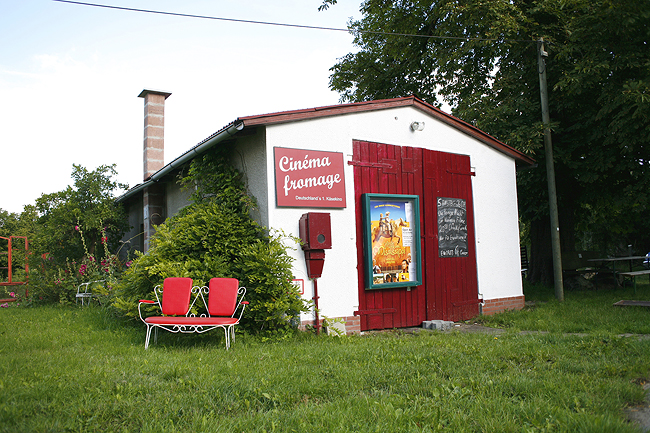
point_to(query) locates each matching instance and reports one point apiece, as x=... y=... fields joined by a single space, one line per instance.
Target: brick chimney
x=154 y=130
x=153 y=200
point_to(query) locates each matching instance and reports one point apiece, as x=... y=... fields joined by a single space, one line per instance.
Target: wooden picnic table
x=613 y=260
x=607 y=261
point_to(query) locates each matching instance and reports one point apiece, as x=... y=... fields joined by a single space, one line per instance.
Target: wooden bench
x=633 y=275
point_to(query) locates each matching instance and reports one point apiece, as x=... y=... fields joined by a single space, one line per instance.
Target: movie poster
x=392 y=232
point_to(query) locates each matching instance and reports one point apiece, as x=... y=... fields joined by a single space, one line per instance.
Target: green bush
x=74 y=237
x=216 y=237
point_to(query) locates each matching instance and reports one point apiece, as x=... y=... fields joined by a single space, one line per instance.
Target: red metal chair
x=176 y=294
x=229 y=298
x=225 y=306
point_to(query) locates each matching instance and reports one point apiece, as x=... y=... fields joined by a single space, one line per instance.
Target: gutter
x=200 y=148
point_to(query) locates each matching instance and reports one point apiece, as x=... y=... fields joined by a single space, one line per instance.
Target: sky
x=70 y=76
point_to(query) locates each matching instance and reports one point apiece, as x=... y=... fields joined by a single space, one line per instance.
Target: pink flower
x=5 y=305
x=104 y=239
x=82 y=269
x=128 y=264
x=12 y=294
x=76 y=228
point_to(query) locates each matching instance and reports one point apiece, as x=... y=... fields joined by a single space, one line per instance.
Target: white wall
x=249 y=158
x=176 y=197
x=494 y=189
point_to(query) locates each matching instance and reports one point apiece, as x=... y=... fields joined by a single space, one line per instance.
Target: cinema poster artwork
x=392 y=226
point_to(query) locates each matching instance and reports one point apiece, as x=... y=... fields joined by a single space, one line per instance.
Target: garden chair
x=176 y=294
x=85 y=292
x=225 y=305
x=224 y=308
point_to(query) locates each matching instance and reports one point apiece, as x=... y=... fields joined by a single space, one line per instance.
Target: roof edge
x=382 y=104
x=326 y=111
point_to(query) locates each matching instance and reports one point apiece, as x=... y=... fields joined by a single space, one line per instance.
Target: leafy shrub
x=50 y=282
x=216 y=237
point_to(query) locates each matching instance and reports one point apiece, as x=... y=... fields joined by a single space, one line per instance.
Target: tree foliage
x=481 y=58
x=216 y=237
x=89 y=205
x=74 y=236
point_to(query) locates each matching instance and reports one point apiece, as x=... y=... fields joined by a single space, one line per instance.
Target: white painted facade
x=494 y=195
x=334 y=129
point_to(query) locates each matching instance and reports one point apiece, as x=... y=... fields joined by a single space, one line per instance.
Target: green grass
x=68 y=369
x=581 y=312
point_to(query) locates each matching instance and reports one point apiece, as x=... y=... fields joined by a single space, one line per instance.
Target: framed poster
x=391 y=226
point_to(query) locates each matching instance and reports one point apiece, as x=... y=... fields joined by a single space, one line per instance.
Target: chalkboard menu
x=452 y=227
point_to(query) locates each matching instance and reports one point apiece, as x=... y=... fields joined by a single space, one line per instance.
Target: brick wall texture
x=493 y=306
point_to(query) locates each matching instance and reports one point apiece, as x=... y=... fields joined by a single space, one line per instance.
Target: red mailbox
x=316 y=231
x=316 y=235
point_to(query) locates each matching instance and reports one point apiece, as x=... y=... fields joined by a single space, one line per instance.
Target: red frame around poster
x=309 y=178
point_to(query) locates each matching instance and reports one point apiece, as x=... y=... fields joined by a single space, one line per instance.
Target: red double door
x=449 y=289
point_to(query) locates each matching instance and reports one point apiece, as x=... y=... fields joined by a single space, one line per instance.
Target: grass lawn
x=78 y=370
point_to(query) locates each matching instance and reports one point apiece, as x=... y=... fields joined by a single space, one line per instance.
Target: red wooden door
x=447 y=292
x=452 y=285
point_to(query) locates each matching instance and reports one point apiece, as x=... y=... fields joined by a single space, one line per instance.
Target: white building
x=448 y=247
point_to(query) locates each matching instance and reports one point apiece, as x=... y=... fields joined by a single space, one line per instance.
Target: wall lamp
x=417 y=126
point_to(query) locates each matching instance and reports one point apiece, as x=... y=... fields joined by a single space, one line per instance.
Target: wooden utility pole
x=550 y=174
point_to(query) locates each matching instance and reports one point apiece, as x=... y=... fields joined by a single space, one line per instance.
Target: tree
x=480 y=57
x=88 y=208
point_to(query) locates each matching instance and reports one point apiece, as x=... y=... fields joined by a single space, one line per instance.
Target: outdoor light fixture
x=417 y=126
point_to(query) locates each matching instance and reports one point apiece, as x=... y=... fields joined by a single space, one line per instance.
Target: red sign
x=309 y=178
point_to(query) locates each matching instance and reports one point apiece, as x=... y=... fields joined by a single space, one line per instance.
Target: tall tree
x=83 y=213
x=480 y=57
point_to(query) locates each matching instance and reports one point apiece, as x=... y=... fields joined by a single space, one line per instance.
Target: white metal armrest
x=156 y=290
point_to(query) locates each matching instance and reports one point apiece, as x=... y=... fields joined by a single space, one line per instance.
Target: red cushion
x=182 y=320
x=222 y=299
x=176 y=296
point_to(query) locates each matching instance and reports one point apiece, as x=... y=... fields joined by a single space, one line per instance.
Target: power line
x=268 y=23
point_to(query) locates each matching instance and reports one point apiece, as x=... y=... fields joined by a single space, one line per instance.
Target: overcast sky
x=70 y=76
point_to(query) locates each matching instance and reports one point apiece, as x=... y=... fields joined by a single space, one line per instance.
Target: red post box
x=316 y=231
x=316 y=234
